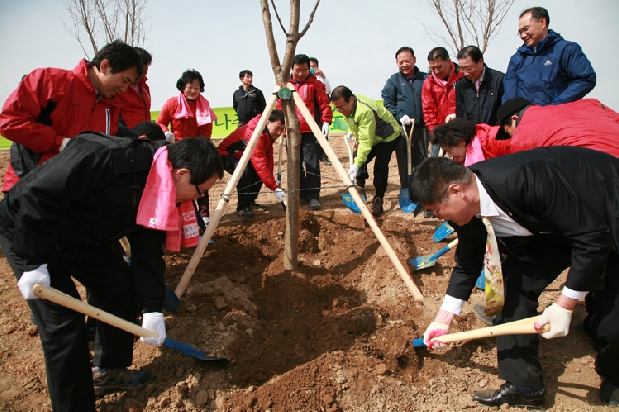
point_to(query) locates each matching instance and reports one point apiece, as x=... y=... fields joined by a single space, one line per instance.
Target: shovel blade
x=190 y=350
x=423 y=262
x=349 y=202
x=171 y=302
x=418 y=343
x=406 y=204
x=442 y=232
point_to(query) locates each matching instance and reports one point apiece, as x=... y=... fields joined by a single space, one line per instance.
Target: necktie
x=495 y=293
x=477 y=83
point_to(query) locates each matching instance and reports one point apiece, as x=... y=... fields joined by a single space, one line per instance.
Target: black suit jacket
x=562 y=193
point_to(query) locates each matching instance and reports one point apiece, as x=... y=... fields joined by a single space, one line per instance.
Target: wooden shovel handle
x=62 y=299
x=519 y=327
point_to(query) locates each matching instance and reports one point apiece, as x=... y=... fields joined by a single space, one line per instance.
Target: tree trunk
x=293 y=167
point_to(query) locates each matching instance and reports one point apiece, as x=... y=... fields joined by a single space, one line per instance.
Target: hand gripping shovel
x=427 y=261
x=77 y=305
x=346 y=197
x=519 y=327
x=442 y=232
x=406 y=204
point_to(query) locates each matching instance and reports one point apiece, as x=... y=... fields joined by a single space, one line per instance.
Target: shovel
x=406 y=204
x=427 y=261
x=77 y=305
x=519 y=327
x=442 y=232
x=346 y=197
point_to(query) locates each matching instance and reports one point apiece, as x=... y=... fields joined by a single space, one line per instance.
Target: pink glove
x=435 y=330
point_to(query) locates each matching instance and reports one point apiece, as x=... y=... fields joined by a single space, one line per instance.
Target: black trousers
x=103 y=270
x=311 y=152
x=530 y=264
x=419 y=152
x=249 y=183
x=382 y=152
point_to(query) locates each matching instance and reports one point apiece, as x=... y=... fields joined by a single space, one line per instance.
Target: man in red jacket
x=135 y=104
x=438 y=95
x=259 y=169
x=52 y=105
x=312 y=92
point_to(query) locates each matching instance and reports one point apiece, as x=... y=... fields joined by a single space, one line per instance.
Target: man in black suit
x=551 y=208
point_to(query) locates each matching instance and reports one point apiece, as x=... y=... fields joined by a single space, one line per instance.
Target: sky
x=354 y=40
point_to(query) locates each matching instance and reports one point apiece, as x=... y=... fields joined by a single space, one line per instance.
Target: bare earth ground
x=334 y=335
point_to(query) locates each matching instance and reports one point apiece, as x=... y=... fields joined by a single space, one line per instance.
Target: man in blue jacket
x=546 y=69
x=402 y=97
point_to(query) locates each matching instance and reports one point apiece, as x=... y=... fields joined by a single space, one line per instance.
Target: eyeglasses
x=526 y=29
x=467 y=69
x=341 y=107
x=200 y=194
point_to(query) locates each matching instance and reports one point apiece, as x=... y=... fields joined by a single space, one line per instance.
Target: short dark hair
x=244 y=72
x=301 y=59
x=457 y=130
x=432 y=178
x=438 y=52
x=315 y=60
x=405 y=49
x=277 y=115
x=472 y=51
x=537 y=13
x=189 y=76
x=147 y=58
x=341 y=91
x=149 y=129
x=199 y=156
x=121 y=57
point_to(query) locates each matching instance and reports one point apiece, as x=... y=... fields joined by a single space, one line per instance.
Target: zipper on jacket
x=107 y=121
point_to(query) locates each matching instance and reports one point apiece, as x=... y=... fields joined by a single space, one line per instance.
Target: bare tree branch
x=103 y=21
x=278 y=18
x=311 y=19
x=468 y=21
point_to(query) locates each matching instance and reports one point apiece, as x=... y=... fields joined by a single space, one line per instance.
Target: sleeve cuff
x=573 y=294
x=452 y=305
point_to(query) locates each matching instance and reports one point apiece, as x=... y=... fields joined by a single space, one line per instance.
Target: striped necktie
x=495 y=293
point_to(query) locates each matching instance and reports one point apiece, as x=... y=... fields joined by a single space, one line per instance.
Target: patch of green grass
x=4 y=143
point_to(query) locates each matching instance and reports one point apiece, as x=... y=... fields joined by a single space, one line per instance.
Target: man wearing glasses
x=546 y=69
x=479 y=92
x=377 y=132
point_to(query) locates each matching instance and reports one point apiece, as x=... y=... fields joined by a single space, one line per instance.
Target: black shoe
x=256 y=206
x=377 y=206
x=509 y=393
x=314 y=204
x=245 y=212
x=326 y=161
x=609 y=394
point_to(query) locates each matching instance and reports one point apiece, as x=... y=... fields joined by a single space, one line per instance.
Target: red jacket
x=134 y=104
x=313 y=94
x=261 y=157
x=583 y=123
x=187 y=127
x=438 y=99
x=64 y=99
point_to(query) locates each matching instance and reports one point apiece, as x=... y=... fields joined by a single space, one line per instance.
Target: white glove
x=277 y=182
x=31 y=278
x=325 y=129
x=279 y=194
x=154 y=321
x=350 y=138
x=450 y=117
x=65 y=140
x=405 y=120
x=559 y=319
x=352 y=172
x=169 y=137
x=435 y=330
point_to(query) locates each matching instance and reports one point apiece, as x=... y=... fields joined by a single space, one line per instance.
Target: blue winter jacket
x=558 y=72
x=400 y=97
